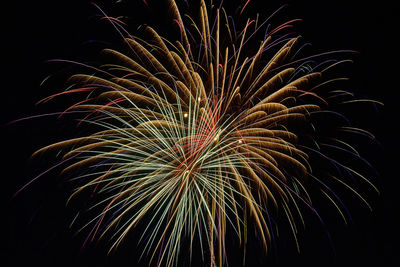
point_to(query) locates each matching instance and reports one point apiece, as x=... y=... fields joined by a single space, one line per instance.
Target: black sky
x=36 y=229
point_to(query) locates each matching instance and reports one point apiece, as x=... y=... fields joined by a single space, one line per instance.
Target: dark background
x=36 y=231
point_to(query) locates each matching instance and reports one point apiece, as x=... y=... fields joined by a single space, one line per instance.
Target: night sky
x=36 y=230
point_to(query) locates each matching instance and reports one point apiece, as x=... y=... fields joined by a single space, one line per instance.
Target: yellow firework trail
x=198 y=134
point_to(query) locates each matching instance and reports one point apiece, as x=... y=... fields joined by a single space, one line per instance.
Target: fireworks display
x=200 y=137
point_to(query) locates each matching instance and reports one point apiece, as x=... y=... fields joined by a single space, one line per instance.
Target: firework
x=201 y=136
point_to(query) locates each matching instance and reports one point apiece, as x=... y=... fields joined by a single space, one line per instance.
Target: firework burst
x=201 y=136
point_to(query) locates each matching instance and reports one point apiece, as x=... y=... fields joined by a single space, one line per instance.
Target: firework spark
x=202 y=135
